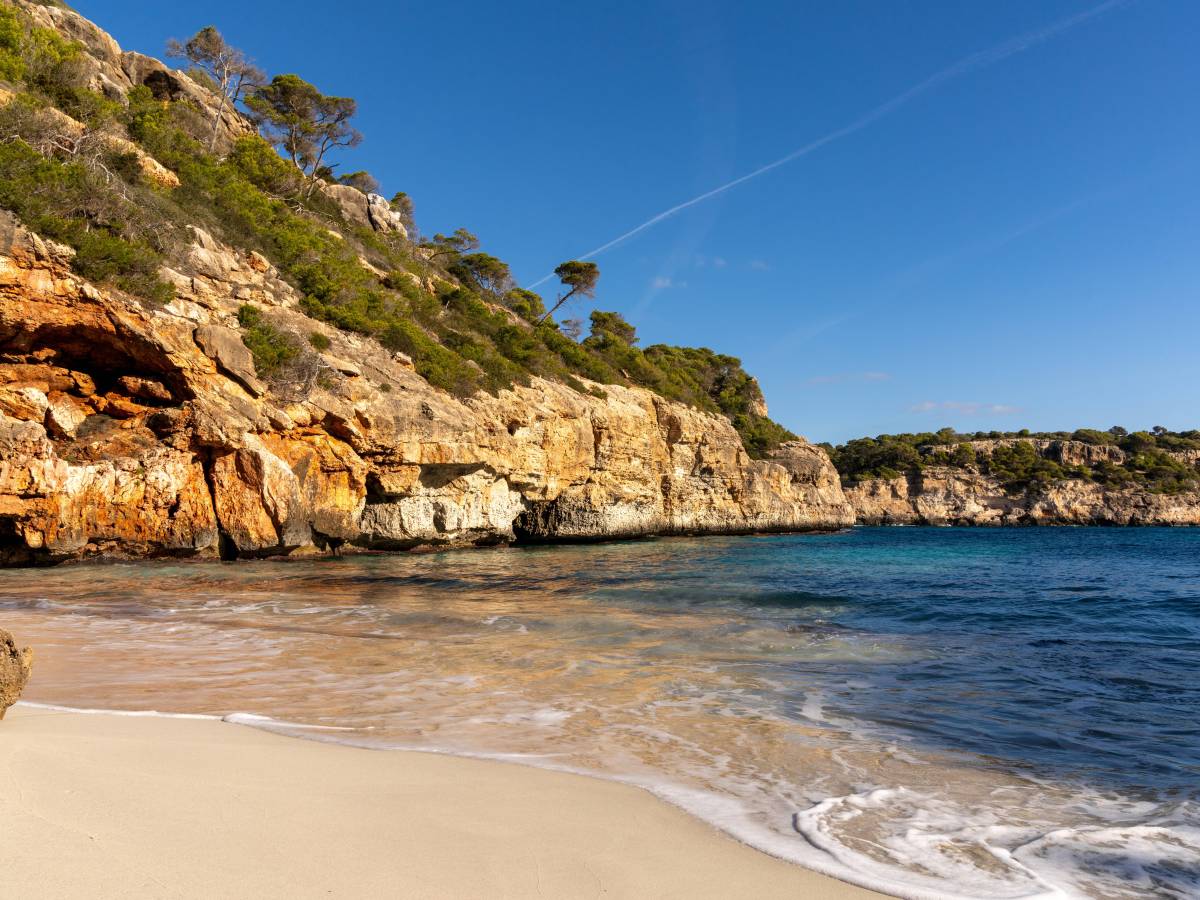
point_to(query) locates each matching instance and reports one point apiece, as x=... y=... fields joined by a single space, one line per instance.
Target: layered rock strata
x=949 y=496
x=127 y=431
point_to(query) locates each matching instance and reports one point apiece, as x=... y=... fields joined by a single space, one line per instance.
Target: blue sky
x=1015 y=245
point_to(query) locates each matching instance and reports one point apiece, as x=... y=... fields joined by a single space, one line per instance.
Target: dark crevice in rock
x=15 y=552
x=376 y=493
x=227 y=549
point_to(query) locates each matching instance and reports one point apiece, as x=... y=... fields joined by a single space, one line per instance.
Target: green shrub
x=12 y=65
x=271 y=348
x=433 y=362
x=1148 y=464
x=526 y=304
x=319 y=341
x=72 y=204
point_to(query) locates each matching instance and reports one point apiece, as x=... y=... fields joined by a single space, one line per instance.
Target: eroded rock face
x=15 y=667
x=1069 y=453
x=945 y=496
x=132 y=432
x=383 y=217
x=365 y=210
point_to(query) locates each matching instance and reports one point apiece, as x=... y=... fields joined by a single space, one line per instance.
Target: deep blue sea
x=929 y=711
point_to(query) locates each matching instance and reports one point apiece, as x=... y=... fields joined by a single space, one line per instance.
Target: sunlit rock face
x=15 y=666
x=130 y=431
x=946 y=496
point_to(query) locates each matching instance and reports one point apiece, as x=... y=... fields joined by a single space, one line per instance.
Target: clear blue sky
x=1016 y=245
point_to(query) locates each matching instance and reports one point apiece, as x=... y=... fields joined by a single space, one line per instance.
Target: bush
x=1020 y=468
x=101 y=220
x=319 y=341
x=433 y=362
x=12 y=32
x=271 y=348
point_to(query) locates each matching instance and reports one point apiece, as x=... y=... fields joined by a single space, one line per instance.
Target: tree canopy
x=484 y=272
x=1152 y=460
x=229 y=69
x=441 y=246
x=303 y=122
x=361 y=180
x=579 y=278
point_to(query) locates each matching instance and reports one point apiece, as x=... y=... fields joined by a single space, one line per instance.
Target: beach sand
x=103 y=806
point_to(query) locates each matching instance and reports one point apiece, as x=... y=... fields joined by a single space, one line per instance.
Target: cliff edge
x=130 y=431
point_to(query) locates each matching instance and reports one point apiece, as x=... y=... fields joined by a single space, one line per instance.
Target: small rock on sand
x=15 y=666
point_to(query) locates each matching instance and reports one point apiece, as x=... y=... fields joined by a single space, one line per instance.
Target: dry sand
x=103 y=806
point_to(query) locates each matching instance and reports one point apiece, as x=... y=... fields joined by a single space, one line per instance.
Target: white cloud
x=663 y=282
x=719 y=262
x=844 y=377
x=965 y=409
x=759 y=265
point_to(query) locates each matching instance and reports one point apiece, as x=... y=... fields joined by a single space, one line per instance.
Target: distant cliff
x=1030 y=481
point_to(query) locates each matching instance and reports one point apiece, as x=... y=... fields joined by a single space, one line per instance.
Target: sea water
x=993 y=713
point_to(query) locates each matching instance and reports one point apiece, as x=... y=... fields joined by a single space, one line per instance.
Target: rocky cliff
x=941 y=495
x=132 y=428
x=131 y=431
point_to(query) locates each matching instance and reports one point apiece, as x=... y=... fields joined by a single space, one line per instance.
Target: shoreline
x=348 y=551
x=189 y=558
x=105 y=804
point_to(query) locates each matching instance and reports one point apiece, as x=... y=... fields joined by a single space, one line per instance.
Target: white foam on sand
x=1027 y=866
x=253 y=720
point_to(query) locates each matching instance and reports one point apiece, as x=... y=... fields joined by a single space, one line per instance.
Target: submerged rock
x=15 y=666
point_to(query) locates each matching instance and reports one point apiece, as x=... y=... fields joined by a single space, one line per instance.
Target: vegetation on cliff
x=1159 y=460
x=86 y=169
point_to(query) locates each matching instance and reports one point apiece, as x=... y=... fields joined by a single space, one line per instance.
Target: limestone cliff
x=941 y=495
x=131 y=431
x=130 y=428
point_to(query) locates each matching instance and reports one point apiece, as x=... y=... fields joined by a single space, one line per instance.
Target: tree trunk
x=212 y=138
x=561 y=300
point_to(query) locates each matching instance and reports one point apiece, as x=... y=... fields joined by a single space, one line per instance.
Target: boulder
x=383 y=217
x=28 y=404
x=64 y=415
x=224 y=347
x=15 y=666
x=258 y=500
x=350 y=201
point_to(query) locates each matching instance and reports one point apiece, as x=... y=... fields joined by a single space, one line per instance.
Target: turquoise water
x=934 y=712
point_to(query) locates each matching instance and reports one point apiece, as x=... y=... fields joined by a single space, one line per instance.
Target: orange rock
x=15 y=668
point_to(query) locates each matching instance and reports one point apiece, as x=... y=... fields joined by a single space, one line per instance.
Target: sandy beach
x=109 y=806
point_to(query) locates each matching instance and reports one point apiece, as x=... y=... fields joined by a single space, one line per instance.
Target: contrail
x=975 y=61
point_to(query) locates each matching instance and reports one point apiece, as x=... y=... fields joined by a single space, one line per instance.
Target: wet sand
x=111 y=806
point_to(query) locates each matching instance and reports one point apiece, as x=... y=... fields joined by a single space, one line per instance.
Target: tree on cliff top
x=462 y=241
x=611 y=326
x=484 y=272
x=230 y=70
x=303 y=122
x=403 y=204
x=361 y=180
x=580 y=277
